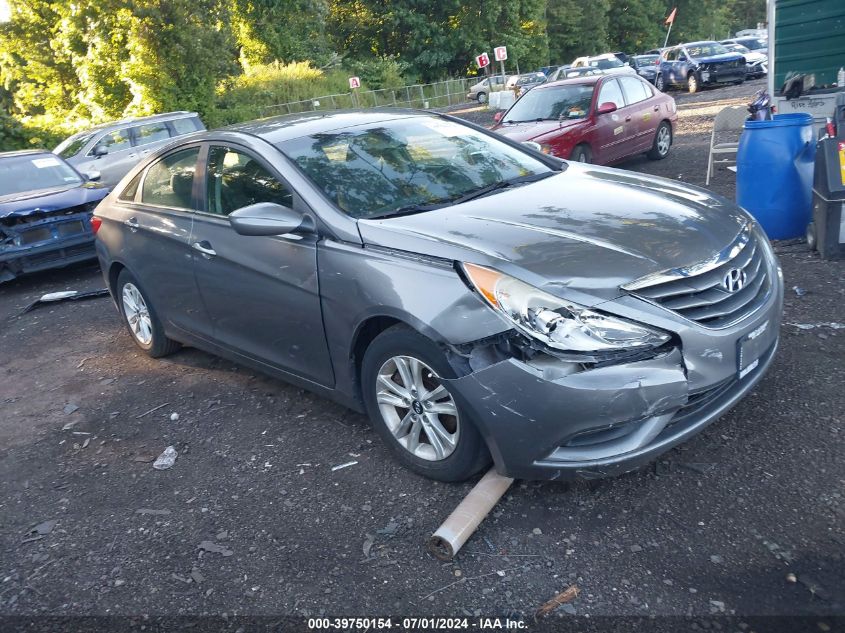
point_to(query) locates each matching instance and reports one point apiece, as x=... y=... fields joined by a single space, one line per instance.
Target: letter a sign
x=483 y=60
x=354 y=82
x=501 y=53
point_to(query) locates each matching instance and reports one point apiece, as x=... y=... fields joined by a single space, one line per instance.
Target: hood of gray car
x=581 y=233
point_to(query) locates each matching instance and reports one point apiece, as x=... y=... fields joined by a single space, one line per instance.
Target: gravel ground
x=745 y=519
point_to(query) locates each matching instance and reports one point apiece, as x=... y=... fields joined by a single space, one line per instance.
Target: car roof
x=697 y=43
x=290 y=126
x=152 y=118
x=587 y=80
x=24 y=152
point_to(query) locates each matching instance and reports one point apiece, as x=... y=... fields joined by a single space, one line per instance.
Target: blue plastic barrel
x=775 y=173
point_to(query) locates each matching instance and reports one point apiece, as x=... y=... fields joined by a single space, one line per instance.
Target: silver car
x=479 y=300
x=112 y=149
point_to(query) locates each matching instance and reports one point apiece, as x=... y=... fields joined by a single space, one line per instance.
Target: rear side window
x=185 y=126
x=128 y=193
x=170 y=181
x=113 y=142
x=150 y=133
x=635 y=90
x=72 y=146
x=611 y=93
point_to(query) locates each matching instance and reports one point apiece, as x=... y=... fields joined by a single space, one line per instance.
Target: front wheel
x=662 y=142
x=692 y=83
x=413 y=410
x=482 y=97
x=581 y=154
x=140 y=318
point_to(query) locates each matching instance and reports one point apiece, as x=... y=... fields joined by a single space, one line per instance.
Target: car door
x=262 y=293
x=642 y=111
x=611 y=128
x=156 y=211
x=669 y=67
x=113 y=156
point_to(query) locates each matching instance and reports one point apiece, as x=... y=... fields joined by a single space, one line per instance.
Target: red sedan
x=598 y=119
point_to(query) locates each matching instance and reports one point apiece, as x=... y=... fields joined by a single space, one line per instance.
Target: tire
x=659 y=83
x=140 y=317
x=482 y=97
x=692 y=83
x=581 y=154
x=461 y=453
x=662 y=142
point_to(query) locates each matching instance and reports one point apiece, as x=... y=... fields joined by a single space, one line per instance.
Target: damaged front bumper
x=593 y=423
x=52 y=242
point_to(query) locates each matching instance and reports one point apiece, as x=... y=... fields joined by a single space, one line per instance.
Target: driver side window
x=235 y=180
x=611 y=93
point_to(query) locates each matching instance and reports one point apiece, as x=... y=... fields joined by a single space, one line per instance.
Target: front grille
x=704 y=293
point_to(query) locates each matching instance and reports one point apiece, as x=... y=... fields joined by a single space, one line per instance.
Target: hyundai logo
x=735 y=280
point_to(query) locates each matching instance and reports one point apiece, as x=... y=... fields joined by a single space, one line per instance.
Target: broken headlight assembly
x=557 y=323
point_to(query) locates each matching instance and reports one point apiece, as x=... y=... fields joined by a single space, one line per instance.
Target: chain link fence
x=435 y=95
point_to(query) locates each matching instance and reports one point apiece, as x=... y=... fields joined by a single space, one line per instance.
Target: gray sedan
x=478 y=300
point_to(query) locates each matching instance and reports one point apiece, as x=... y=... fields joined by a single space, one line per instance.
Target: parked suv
x=112 y=149
x=699 y=64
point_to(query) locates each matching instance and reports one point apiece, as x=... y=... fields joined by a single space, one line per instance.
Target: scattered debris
x=174 y=416
x=209 y=546
x=151 y=511
x=810 y=326
x=368 y=545
x=45 y=527
x=166 y=459
x=70 y=425
x=536 y=531
x=390 y=529
x=567 y=595
x=636 y=548
x=70 y=408
x=65 y=295
x=197 y=576
x=346 y=465
x=465 y=519
x=161 y=406
x=799 y=291
x=716 y=559
x=790 y=577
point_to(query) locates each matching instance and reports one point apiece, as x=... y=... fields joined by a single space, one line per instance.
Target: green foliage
x=65 y=64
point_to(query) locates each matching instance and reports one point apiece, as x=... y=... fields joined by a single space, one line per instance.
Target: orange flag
x=671 y=18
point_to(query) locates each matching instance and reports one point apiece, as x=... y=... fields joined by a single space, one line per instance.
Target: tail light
x=95 y=224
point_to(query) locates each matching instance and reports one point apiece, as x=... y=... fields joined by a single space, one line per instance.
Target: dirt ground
x=746 y=519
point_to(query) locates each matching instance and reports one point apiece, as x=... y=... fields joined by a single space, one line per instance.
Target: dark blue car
x=45 y=213
x=698 y=64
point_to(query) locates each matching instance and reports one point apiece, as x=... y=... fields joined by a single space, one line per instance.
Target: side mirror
x=498 y=116
x=266 y=218
x=606 y=108
x=100 y=150
x=92 y=175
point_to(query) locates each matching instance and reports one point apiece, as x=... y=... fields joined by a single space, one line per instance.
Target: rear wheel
x=659 y=83
x=140 y=318
x=692 y=83
x=482 y=97
x=413 y=411
x=581 y=154
x=662 y=142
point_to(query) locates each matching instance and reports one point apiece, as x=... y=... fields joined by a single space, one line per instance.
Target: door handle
x=627 y=119
x=204 y=247
x=657 y=108
x=132 y=223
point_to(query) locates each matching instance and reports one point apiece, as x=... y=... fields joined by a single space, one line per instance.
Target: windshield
x=754 y=43
x=390 y=167
x=737 y=48
x=552 y=104
x=606 y=63
x=33 y=172
x=707 y=49
x=647 y=60
x=71 y=146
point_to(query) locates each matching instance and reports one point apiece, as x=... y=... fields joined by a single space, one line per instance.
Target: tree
x=576 y=29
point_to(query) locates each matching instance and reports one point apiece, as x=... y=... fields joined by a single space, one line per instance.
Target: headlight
x=558 y=323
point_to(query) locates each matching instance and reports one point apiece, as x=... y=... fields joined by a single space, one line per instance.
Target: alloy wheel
x=137 y=314
x=417 y=409
x=658 y=83
x=664 y=140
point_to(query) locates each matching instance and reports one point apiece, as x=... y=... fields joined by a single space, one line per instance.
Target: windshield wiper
x=502 y=184
x=411 y=209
